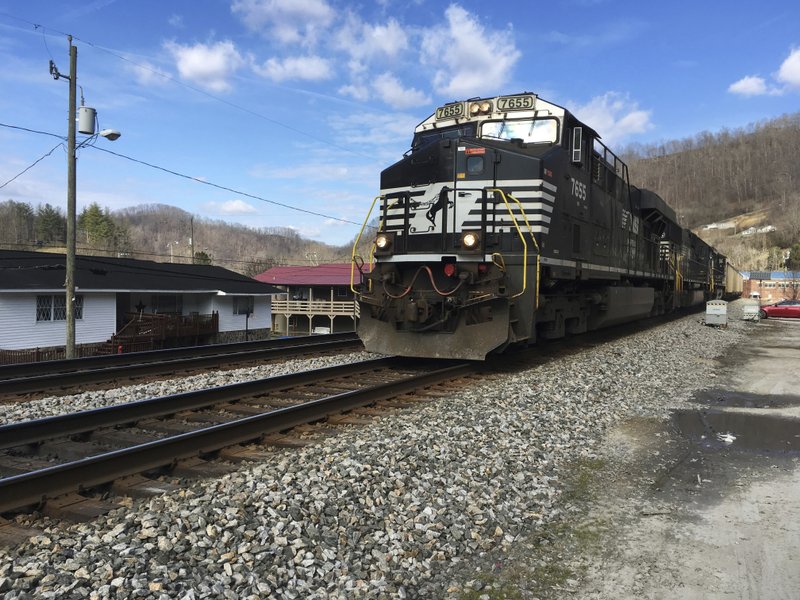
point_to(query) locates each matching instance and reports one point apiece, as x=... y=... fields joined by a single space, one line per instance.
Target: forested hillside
x=171 y=232
x=164 y=234
x=746 y=178
x=744 y=181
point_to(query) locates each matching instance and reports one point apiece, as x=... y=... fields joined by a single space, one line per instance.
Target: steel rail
x=33 y=488
x=39 y=430
x=23 y=385
x=71 y=365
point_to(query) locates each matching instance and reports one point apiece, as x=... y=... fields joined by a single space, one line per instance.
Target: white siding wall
x=260 y=319
x=99 y=321
x=20 y=330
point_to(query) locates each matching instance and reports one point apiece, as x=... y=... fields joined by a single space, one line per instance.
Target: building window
x=243 y=305
x=54 y=308
x=44 y=308
x=59 y=308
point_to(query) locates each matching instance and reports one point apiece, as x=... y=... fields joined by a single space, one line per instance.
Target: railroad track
x=59 y=457
x=31 y=380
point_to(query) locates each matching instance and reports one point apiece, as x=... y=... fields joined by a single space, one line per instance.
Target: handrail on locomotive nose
x=524 y=244
x=358 y=239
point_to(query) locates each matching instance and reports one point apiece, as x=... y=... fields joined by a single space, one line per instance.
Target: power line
x=225 y=188
x=61 y=137
x=29 y=167
x=44 y=39
x=195 y=179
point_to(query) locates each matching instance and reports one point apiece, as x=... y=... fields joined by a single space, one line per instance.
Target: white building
x=118 y=298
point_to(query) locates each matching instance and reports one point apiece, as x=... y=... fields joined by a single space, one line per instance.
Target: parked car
x=784 y=308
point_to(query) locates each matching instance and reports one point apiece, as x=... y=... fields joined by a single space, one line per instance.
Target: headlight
x=383 y=241
x=470 y=240
x=480 y=108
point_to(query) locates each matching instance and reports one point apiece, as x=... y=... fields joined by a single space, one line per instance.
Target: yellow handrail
x=355 y=245
x=711 y=274
x=524 y=244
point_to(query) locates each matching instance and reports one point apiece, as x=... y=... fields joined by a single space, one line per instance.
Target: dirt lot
x=708 y=505
x=702 y=505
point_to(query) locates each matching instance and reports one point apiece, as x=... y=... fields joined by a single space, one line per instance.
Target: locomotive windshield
x=424 y=138
x=531 y=131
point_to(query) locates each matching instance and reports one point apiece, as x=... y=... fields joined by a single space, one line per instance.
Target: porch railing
x=316 y=307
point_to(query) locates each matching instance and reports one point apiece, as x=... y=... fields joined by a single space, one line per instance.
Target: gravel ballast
x=399 y=508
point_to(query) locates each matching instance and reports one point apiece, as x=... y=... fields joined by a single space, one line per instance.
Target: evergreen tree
x=96 y=225
x=51 y=224
x=101 y=231
x=793 y=262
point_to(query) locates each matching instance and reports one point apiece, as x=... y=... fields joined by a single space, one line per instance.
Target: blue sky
x=304 y=102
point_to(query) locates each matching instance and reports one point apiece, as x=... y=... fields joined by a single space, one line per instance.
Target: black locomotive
x=508 y=221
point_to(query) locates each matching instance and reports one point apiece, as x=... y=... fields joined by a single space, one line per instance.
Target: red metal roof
x=331 y=274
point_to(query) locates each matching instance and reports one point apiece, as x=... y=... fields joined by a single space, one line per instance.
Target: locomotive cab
x=457 y=248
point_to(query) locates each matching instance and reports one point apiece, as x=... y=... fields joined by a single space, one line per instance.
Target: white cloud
x=469 y=59
x=357 y=92
x=236 y=207
x=288 y=21
x=309 y=68
x=750 y=85
x=365 y=41
x=614 y=116
x=391 y=91
x=176 y=21
x=387 y=133
x=786 y=79
x=789 y=72
x=356 y=67
x=209 y=66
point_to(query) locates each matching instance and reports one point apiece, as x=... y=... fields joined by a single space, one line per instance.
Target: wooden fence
x=142 y=332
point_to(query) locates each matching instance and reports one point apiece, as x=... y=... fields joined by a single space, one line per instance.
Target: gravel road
x=457 y=498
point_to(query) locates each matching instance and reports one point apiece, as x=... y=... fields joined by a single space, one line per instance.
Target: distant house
x=315 y=299
x=122 y=296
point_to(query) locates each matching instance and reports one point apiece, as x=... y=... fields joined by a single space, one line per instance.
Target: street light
x=88 y=117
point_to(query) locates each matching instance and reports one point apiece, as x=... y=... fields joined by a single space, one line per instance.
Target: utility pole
x=69 y=284
x=87 y=128
x=191 y=238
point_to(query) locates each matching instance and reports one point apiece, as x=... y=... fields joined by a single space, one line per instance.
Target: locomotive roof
x=533 y=106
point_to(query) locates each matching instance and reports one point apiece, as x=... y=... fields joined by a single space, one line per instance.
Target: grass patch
x=580 y=479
